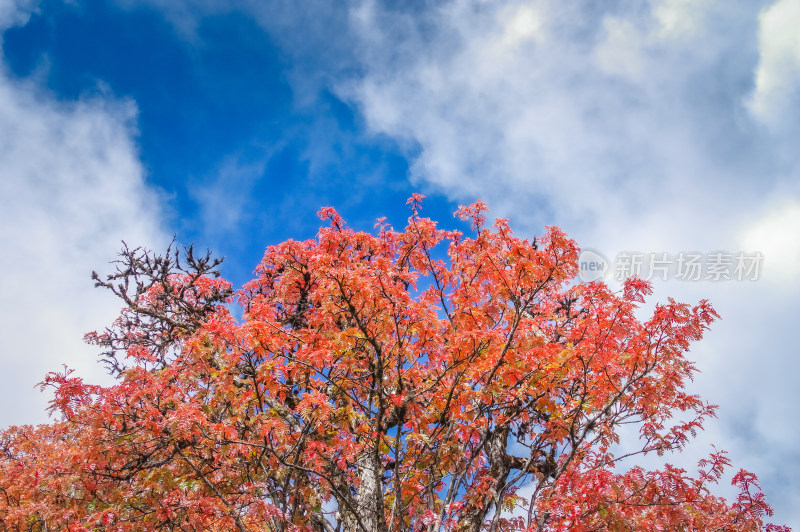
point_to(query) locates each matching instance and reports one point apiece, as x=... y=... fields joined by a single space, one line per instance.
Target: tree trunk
x=369 y=495
x=499 y=469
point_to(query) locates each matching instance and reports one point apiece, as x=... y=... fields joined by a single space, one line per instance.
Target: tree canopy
x=414 y=380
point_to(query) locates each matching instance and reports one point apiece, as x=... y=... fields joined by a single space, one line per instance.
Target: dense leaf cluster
x=371 y=386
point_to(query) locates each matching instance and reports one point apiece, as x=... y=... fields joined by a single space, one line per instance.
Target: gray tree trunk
x=369 y=495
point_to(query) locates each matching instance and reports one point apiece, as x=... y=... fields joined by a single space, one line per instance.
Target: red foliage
x=371 y=386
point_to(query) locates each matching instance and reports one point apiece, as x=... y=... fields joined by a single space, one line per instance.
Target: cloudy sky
x=661 y=126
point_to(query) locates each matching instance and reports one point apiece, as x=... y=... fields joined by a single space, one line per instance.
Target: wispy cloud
x=584 y=113
x=778 y=74
x=71 y=188
x=226 y=200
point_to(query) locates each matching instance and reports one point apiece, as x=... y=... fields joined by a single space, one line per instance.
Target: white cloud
x=679 y=19
x=621 y=52
x=776 y=235
x=16 y=12
x=71 y=188
x=631 y=47
x=777 y=80
x=590 y=101
x=521 y=23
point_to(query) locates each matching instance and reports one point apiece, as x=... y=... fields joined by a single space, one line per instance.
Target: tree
x=373 y=384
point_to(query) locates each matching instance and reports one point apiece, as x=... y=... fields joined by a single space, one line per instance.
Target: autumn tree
x=374 y=383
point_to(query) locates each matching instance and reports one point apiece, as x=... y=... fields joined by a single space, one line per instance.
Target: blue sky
x=658 y=126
